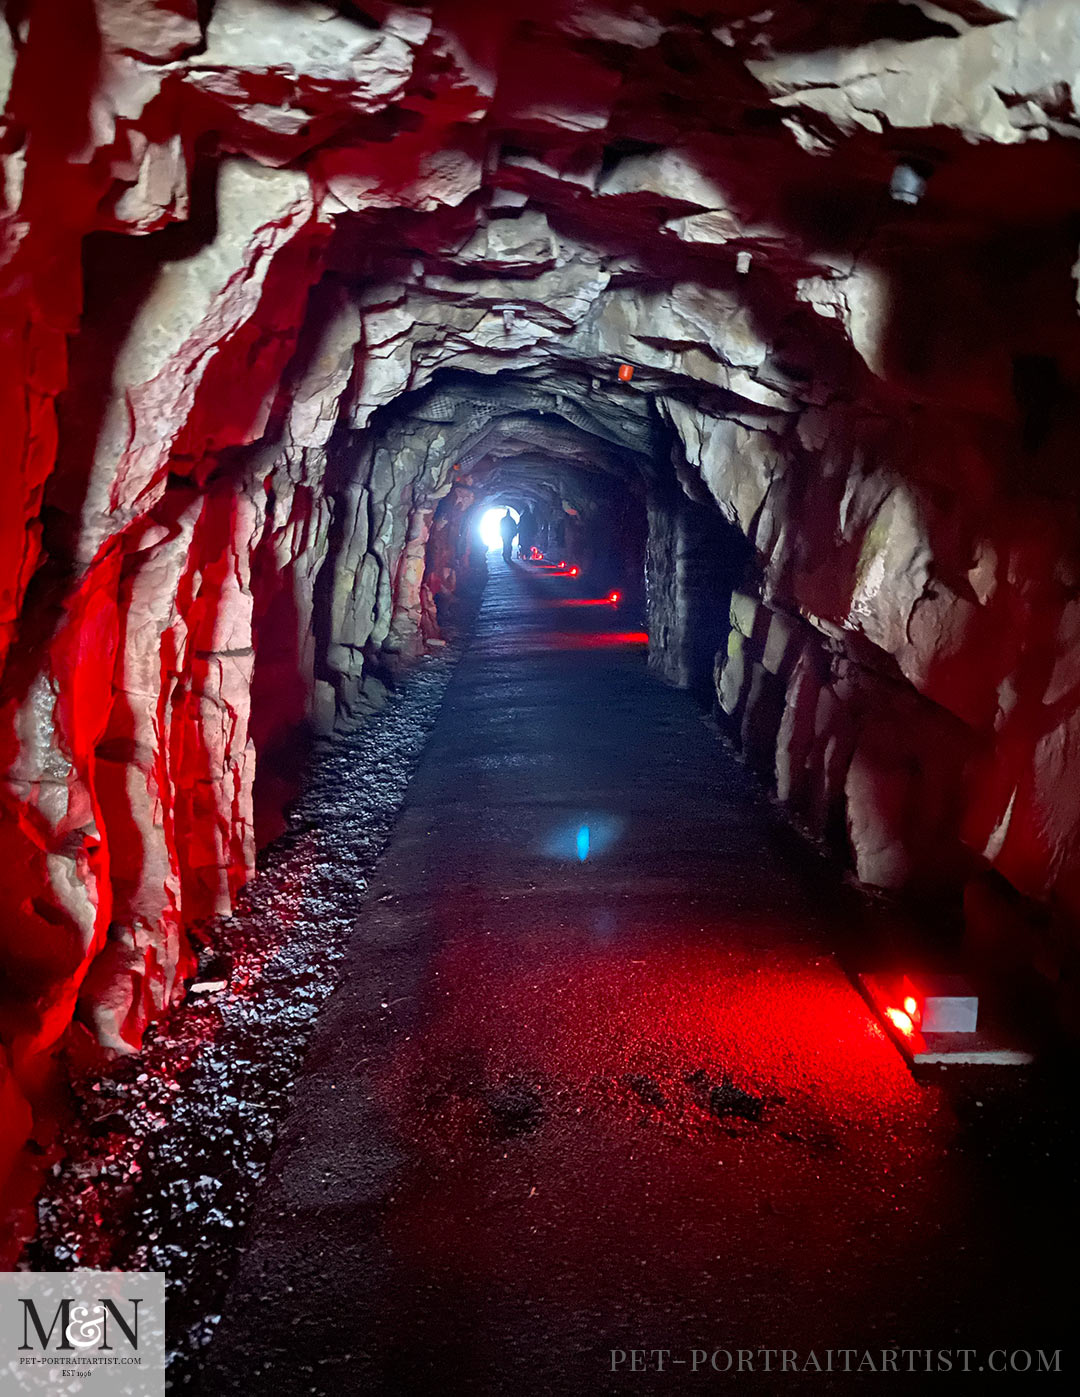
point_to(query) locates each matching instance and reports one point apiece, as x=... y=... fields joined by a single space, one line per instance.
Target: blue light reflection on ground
x=582 y=838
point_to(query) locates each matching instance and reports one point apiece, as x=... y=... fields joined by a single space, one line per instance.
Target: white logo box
x=83 y=1333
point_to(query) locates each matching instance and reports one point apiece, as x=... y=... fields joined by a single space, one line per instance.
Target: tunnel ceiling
x=545 y=438
x=290 y=287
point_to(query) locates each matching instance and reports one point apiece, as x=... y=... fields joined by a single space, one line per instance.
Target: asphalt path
x=595 y=1107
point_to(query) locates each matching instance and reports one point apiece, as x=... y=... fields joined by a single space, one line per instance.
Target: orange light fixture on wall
x=626 y=372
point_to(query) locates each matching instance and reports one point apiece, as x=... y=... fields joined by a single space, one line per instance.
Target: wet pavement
x=594 y=1097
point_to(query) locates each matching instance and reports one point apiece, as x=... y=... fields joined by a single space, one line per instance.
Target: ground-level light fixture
x=934 y=1019
x=626 y=372
x=614 y=598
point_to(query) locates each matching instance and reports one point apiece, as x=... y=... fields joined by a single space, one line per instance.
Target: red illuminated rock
x=271 y=271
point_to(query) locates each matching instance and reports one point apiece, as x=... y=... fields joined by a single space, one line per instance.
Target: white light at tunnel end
x=489 y=525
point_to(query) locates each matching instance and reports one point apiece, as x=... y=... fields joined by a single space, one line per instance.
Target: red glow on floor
x=657 y=1007
x=899 y=1019
x=606 y=639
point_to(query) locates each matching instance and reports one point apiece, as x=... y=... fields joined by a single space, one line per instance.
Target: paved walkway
x=593 y=1081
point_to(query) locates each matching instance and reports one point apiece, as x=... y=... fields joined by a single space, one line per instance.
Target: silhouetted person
x=526 y=532
x=508 y=528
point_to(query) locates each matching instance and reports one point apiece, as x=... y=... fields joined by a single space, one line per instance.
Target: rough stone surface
x=292 y=289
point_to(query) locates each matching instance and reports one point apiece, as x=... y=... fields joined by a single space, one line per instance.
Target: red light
x=900 y=1020
x=573 y=572
x=614 y=599
x=561 y=563
x=626 y=372
x=911 y=1006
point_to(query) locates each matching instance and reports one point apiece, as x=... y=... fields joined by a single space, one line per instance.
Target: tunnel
x=461 y=972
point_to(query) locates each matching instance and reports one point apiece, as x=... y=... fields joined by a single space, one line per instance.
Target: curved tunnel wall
x=272 y=272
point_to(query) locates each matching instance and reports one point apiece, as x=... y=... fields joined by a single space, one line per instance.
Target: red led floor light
x=934 y=1019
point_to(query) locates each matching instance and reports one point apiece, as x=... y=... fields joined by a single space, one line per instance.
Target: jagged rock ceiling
x=273 y=269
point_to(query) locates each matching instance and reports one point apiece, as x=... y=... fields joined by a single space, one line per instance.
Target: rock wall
x=694 y=562
x=855 y=755
x=290 y=289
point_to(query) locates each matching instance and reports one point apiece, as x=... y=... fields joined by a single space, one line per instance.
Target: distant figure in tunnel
x=508 y=528
x=526 y=532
